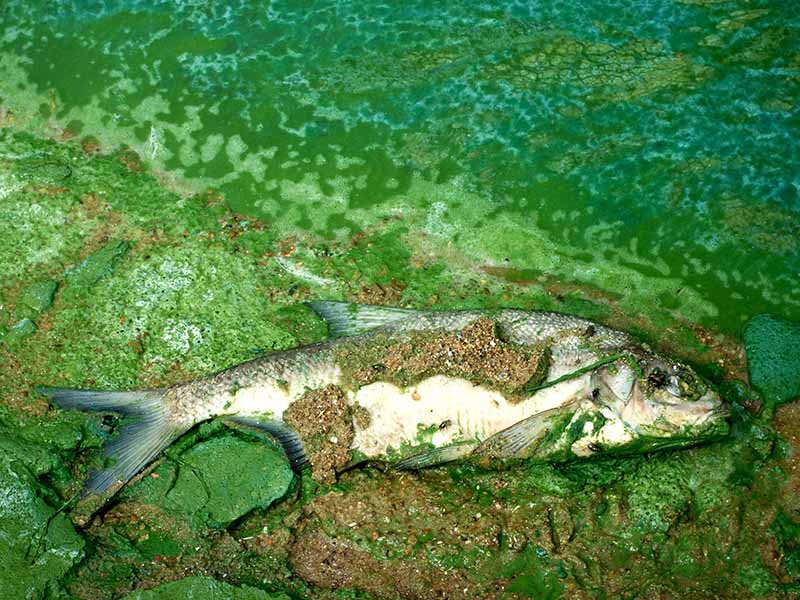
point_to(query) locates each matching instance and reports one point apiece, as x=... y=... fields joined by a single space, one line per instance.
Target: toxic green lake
x=644 y=148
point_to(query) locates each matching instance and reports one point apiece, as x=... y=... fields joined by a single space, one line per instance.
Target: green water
x=646 y=148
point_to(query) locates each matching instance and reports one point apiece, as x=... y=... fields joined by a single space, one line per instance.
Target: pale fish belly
x=272 y=399
x=267 y=399
x=464 y=410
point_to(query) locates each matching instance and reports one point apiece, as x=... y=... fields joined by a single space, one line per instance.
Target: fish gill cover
x=176 y=178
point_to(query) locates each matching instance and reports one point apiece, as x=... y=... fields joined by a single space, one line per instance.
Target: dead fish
x=600 y=392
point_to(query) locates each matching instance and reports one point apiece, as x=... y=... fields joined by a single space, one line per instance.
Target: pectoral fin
x=523 y=438
x=285 y=435
x=436 y=456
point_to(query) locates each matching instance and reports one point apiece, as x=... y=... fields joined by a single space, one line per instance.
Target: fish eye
x=657 y=378
x=674 y=386
x=683 y=383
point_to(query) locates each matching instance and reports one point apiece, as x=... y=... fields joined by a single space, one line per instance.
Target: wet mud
x=324 y=422
x=476 y=353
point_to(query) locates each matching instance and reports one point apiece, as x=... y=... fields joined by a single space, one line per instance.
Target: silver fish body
x=600 y=392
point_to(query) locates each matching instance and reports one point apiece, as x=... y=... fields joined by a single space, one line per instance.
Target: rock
x=18 y=332
x=38 y=545
x=773 y=345
x=35 y=299
x=94 y=267
x=219 y=480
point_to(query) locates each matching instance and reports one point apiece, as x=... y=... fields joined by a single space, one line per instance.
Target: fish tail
x=146 y=431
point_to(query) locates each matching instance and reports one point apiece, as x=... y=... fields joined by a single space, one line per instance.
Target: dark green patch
x=531 y=576
x=17 y=333
x=773 y=356
x=217 y=481
x=35 y=299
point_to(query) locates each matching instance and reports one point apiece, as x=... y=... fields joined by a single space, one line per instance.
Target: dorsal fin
x=346 y=319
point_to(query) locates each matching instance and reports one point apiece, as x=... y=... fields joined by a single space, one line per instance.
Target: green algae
x=166 y=306
x=24 y=219
x=626 y=505
x=206 y=588
x=527 y=579
x=773 y=348
x=787 y=531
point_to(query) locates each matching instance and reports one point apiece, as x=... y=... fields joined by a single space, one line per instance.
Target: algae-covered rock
x=38 y=545
x=237 y=477
x=41 y=443
x=35 y=299
x=773 y=348
x=217 y=481
x=18 y=332
x=94 y=267
x=203 y=588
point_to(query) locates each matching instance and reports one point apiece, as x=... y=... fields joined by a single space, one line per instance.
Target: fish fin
x=285 y=435
x=137 y=442
x=129 y=404
x=436 y=456
x=346 y=319
x=521 y=439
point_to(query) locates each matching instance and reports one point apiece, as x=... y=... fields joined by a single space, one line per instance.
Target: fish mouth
x=704 y=418
x=719 y=408
x=716 y=423
x=721 y=411
x=713 y=423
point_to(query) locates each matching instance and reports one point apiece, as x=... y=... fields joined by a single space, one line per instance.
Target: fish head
x=659 y=402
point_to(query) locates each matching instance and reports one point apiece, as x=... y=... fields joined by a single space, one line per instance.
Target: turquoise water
x=646 y=148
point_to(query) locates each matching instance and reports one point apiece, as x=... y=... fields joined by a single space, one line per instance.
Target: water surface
x=647 y=148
